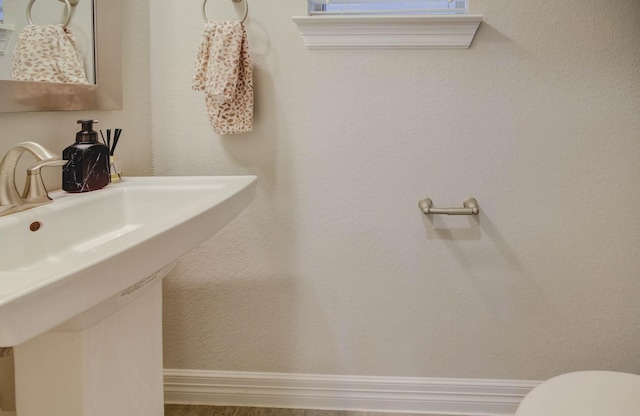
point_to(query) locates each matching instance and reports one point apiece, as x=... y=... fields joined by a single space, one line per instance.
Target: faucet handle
x=34 y=189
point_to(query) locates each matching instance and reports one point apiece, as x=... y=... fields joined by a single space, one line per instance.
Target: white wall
x=334 y=270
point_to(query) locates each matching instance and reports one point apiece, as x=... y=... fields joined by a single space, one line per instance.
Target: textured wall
x=333 y=269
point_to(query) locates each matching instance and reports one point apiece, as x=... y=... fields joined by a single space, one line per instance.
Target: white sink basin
x=93 y=246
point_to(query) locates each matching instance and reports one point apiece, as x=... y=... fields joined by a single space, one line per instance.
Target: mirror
x=46 y=15
x=105 y=94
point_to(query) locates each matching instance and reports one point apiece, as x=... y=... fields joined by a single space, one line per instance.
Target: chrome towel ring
x=68 y=5
x=246 y=10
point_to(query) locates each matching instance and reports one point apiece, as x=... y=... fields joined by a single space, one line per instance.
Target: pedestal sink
x=80 y=298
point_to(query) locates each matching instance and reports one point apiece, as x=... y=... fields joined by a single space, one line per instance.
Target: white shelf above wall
x=388 y=32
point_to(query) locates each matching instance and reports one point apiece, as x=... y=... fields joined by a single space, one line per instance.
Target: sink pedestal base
x=113 y=367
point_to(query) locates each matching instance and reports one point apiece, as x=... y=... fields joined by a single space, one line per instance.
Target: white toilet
x=585 y=393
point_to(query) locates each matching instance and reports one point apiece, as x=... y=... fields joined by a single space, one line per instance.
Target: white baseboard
x=311 y=391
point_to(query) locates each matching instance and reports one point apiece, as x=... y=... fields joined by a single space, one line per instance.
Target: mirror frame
x=106 y=94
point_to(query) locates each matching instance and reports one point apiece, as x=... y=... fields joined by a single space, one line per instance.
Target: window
x=5 y=32
x=386 y=7
x=388 y=24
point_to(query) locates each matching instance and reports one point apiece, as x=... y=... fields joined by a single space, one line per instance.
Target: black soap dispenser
x=87 y=167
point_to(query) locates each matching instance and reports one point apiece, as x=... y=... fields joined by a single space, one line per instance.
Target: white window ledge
x=388 y=32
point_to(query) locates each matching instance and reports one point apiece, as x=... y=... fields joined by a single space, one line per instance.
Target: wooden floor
x=196 y=410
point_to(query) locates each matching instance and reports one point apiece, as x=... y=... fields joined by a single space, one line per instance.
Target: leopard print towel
x=223 y=72
x=47 y=53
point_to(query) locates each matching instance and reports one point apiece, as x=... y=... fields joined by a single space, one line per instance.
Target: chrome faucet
x=34 y=193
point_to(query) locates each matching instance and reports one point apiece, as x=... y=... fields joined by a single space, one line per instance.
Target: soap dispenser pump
x=87 y=167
